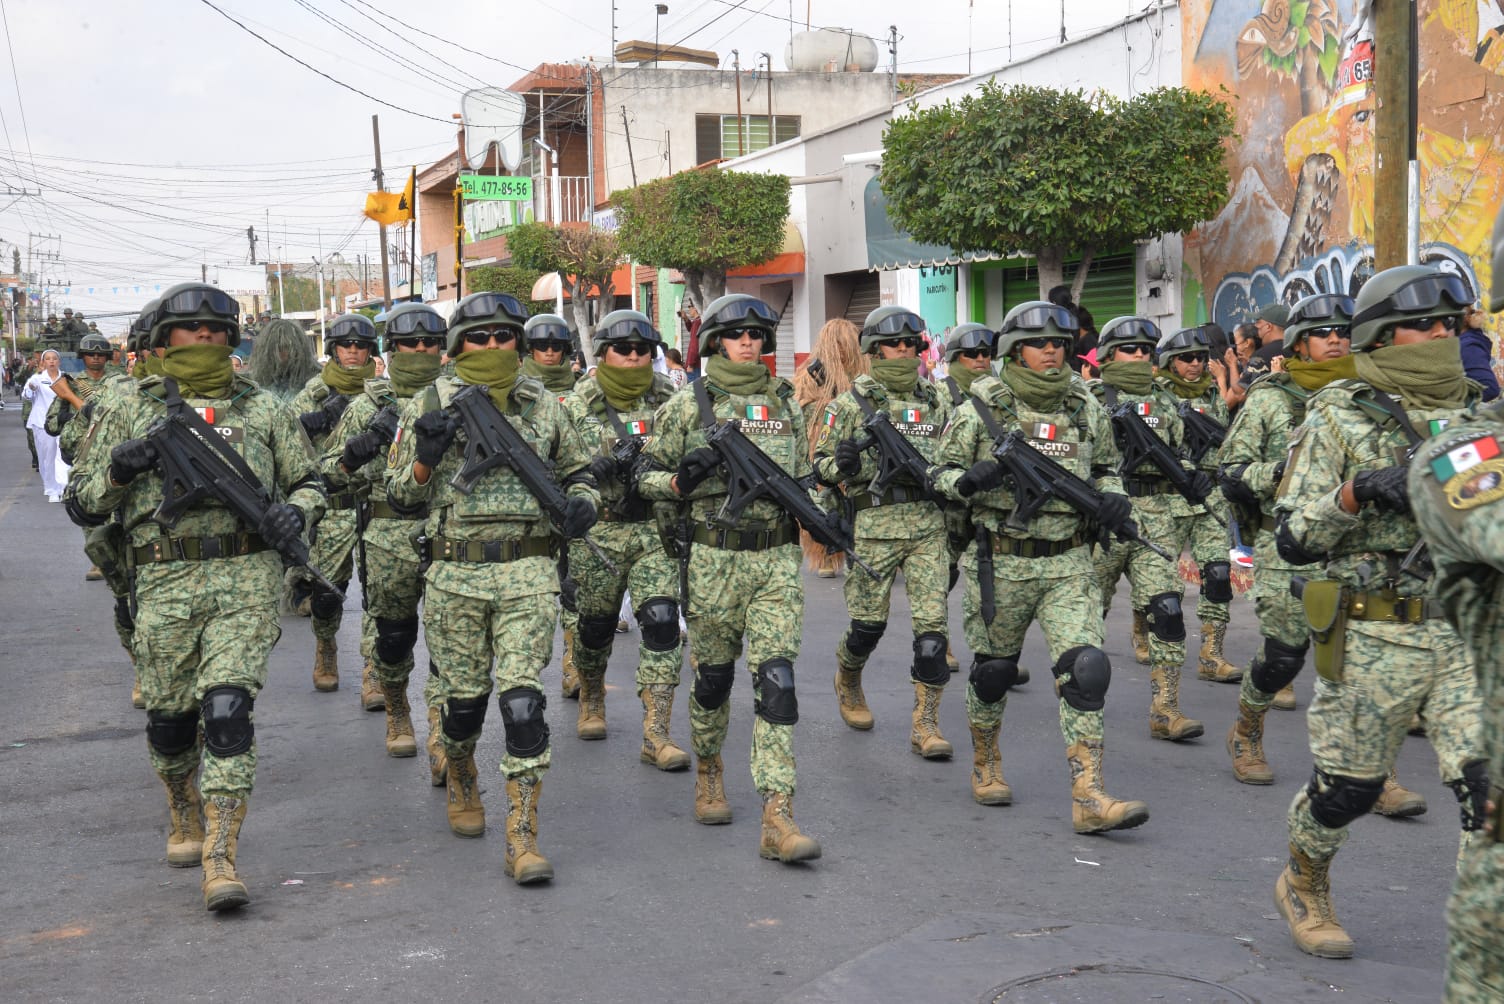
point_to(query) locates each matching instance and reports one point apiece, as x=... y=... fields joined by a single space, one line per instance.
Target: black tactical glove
x=1202 y=486
x=848 y=458
x=603 y=469
x=696 y=466
x=281 y=525
x=1279 y=472
x=579 y=517
x=984 y=476
x=1385 y=488
x=131 y=459
x=1115 y=512
x=384 y=424
x=1235 y=489
x=435 y=431
x=361 y=450
x=321 y=420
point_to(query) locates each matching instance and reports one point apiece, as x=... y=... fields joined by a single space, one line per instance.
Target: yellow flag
x=391 y=208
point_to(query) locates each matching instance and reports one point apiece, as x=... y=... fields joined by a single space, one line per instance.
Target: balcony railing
x=561 y=199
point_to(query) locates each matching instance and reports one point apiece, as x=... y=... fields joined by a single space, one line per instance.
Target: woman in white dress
x=38 y=391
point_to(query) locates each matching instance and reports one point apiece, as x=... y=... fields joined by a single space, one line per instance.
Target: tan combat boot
x=1303 y=896
x=438 y=760
x=570 y=681
x=657 y=709
x=1165 y=718
x=325 y=664
x=1245 y=744
x=137 y=700
x=185 y=826
x=987 y=784
x=223 y=889
x=1214 y=665
x=1140 y=637
x=591 y=723
x=372 y=697
x=951 y=662
x=93 y=574
x=400 y=741
x=1284 y=700
x=1397 y=801
x=850 y=699
x=925 y=738
x=1092 y=809
x=467 y=816
x=781 y=839
x=522 y=862
x=711 y=807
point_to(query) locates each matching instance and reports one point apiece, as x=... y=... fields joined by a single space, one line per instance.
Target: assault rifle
x=492 y=442
x=1037 y=479
x=1139 y=446
x=1203 y=433
x=626 y=452
x=896 y=456
x=751 y=474
x=195 y=468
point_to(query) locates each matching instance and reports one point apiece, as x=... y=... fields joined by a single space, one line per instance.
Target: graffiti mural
x=1300 y=218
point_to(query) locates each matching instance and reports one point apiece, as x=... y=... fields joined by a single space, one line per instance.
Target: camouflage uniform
x=333 y=540
x=901 y=529
x=26 y=373
x=1457 y=509
x=560 y=381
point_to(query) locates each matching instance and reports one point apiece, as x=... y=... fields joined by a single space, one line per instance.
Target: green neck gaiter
x=1189 y=390
x=1426 y=375
x=964 y=376
x=348 y=381
x=1135 y=377
x=897 y=375
x=623 y=385
x=496 y=368
x=149 y=364
x=200 y=370
x=412 y=371
x=1314 y=376
x=559 y=379
x=1041 y=391
x=737 y=378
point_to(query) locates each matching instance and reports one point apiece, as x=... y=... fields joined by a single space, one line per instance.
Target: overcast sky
x=158 y=130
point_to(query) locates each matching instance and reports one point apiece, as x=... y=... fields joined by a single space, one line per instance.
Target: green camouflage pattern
x=1462 y=519
x=312 y=397
x=1206 y=538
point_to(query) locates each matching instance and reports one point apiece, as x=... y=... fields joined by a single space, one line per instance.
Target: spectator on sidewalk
x=1478 y=353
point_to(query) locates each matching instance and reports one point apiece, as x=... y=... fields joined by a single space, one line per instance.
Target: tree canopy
x=703 y=223
x=1054 y=173
x=514 y=281
x=583 y=257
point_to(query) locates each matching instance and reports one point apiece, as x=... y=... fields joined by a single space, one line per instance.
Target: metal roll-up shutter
x=1111 y=290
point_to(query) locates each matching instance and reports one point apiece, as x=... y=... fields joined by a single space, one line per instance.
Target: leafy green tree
x=1056 y=173
x=703 y=223
x=583 y=257
x=297 y=293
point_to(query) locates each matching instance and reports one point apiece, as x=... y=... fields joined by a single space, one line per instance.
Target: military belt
x=1139 y=487
x=382 y=509
x=1384 y=605
x=342 y=501
x=226 y=545
x=1032 y=547
x=481 y=551
x=745 y=540
x=892 y=495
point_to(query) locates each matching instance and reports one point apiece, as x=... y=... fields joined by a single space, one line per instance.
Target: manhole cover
x=1093 y=984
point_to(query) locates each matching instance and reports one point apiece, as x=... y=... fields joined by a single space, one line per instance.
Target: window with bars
x=716 y=136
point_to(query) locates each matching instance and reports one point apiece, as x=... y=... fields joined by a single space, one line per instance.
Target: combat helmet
x=1405 y=293
x=138 y=338
x=356 y=328
x=194 y=301
x=737 y=312
x=1034 y=319
x=968 y=336
x=484 y=310
x=413 y=320
x=1183 y=343
x=95 y=342
x=626 y=326
x=543 y=331
x=1127 y=330
x=888 y=323
x=1317 y=313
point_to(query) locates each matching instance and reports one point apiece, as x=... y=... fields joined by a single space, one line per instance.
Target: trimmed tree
x=703 y=223
x=1056 y=173
x=584 y=258
x=511 y=280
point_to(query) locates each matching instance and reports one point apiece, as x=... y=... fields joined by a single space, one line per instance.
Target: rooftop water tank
x=830 y=50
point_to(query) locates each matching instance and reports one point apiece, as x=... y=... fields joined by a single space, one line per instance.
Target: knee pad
x=522 y=716
x=774 y=700
x=1089 y=672
x=1280 y=665
x=170 y=735
x=1337 y=800
x=929 y=660
x=395 y=639
x=228 y=729
x=1216 y=581
x=325 y=604
x=1471 y=790
x=597 y=630
x=123 y=613
x=992 y=675
x=863 y=637
x=713 y=684
x=955 y=576
x=1166 y=619
x=658 y=617
x=463 y=717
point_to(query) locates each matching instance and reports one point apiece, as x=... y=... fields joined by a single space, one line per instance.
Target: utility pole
x=31 y=249
x=736 y=69
x=386 y=293
x=893 y=63
x=1394 y=130
x=771 y=137
x=628 y=130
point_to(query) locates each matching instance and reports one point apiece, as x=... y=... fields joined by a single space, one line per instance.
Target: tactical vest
x=500 y=495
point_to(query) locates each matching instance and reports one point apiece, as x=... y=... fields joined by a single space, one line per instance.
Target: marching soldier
x=744 y=582
x=1383 y=650
x=898 y=527
x=491 y=590
x=1042 y=572
x=206 y=590
x=66 y=416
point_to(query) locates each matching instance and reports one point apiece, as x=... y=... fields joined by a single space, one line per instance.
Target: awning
x=789 y=261
x=889 y=247
x=547 y=287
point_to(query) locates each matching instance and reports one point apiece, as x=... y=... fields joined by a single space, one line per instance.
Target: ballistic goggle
x=412 y=322
x=1325 y=307
x=628 y=329
x=201 y=299
x=483 y=306
x=1421 y=296
x=739 y=310
x=975 y=338
x=1040 y=317
x=897 y=324
x=550 y=331
x=1135 y=329
x=357 y=327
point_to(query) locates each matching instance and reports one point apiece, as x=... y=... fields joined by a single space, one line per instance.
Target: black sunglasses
x=484 y=336
x=426 y=341
x=632 y=348
x=907 y=343
x=351 y=343
x=1341 y=331
x=980 y=352
x=737 y=334
x=1449 y=321
x=1046 y=342
x=1194 y=357
x=548 y=345
x=1134 y=349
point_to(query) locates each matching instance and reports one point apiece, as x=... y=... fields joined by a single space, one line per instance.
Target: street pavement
x=358 y=888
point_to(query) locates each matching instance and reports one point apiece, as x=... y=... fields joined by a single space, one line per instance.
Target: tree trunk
x=579 y=290
x=704 y=286
x=1051 y=269
x=1079 y=282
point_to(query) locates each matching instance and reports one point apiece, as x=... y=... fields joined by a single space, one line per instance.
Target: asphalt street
x=359 y=889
